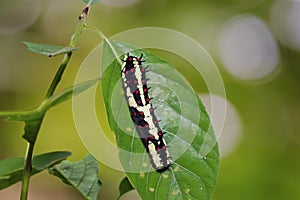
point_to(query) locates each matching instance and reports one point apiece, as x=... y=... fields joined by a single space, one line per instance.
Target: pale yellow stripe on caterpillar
x=138 y=75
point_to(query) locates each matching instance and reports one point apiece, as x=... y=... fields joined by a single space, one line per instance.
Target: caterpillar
x=136 y=92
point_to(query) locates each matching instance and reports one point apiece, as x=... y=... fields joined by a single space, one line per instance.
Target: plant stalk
x=29 y=154
x=27 y=171
x=106 y=40
x=65 y=60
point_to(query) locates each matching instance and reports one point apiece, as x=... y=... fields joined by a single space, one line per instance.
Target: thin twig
x=106 y=40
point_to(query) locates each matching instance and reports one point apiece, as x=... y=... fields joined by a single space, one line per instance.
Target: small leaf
x=48 y=50
x=43 y=161
x=193 y=175
x=90 y=1
x=82 y=175
x=124 y=187
x=11 y=169
x=67 y=94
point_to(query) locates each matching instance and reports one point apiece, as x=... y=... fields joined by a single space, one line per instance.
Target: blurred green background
x=255 y=44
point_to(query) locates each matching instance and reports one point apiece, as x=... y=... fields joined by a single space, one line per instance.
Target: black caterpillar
x=134 y=83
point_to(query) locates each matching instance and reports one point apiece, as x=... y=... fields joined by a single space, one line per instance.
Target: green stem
x=65 y=60
x=106 y=40
x=27 y=171
x=50 y=92
x=28 y=161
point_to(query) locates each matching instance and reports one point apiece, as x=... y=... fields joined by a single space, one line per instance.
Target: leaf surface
x=68 y=93
x=82 y=175
x=191 y=140
x=48 y=50
x=11 y=169
x=124 y=187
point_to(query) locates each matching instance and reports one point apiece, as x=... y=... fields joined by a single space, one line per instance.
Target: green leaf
x=82 y=175
x=90 y=1
x=124 y=187
x=67 y=94
x=44 y=161
x=193 y=175
x=48 y=50
x=11 y=169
